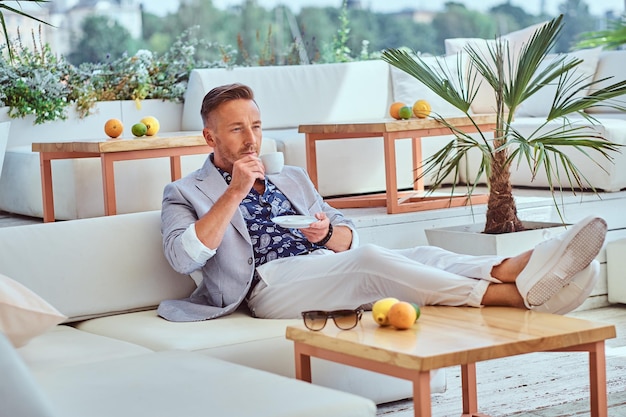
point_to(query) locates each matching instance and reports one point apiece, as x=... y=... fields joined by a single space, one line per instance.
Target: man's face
x=234 y=131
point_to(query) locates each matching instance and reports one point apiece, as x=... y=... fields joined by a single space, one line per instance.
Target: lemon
x=113 y=128
x=152 y=125
x=405 y=112
x=421 y=109
x=381 y=308
x=139 y=129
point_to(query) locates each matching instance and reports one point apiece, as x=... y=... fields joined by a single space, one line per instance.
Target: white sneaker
x=575 y=293
x=555 y=262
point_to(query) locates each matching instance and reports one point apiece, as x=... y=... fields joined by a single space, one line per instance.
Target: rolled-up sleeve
x=194 y=247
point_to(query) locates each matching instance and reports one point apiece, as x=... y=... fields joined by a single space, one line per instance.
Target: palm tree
x=514 y=79
x=8 y=8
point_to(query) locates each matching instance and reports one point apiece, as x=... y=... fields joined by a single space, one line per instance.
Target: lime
x=139 y=129
x=405 y=112
x=418 y=312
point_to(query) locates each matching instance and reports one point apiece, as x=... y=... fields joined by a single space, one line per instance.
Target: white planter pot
x=469 y=239
x=4 y=140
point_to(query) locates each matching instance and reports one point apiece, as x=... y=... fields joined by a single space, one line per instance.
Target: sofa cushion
x=407 y=89
x=24 y=314
x=173 y=384
x=291 y=95
x=108 y=266
x=64 y=345
x=233 y=337
x=20 y=395
x=539 y=104
x=485 y=101
x=611 y=66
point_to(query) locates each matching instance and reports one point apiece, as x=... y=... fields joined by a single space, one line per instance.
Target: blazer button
x=250 y=261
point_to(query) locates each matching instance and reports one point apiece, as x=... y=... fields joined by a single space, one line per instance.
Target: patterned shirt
x=269 y=240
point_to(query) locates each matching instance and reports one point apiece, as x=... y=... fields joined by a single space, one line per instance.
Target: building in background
x=66 y=17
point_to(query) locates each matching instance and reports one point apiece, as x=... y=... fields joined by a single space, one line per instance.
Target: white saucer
x=295 y=222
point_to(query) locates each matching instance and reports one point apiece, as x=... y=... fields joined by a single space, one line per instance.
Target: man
x=218 y=220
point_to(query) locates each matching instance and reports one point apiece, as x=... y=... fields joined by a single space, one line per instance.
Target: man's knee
x=369 y=253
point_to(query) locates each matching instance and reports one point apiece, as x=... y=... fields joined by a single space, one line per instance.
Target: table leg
x=470 y=393
x=597 y=380
x=416 y=146
x=175 y=167
x=108 y=182
x=46 y=187
x=391 y=179
x=311 y=157
x=421 y=395
x=303 y=364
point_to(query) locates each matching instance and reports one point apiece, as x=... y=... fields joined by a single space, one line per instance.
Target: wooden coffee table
x=391 y=130
x=450 y=336
x=172 y=145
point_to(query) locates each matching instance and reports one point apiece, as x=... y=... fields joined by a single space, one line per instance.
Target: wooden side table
x=172 y=145
x=451 y=336
x=390 y=131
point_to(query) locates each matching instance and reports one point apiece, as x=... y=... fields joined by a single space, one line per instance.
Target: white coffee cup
x=273 y=162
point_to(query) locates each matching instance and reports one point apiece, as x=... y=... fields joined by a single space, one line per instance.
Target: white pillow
x=611 y=66
x=538 y=105
x=23 y=314
x=485 y=101
x=407 y=89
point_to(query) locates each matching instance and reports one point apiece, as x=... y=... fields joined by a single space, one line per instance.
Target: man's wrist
x=327 y=237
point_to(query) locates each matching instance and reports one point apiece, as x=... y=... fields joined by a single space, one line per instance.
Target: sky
x=596 y=7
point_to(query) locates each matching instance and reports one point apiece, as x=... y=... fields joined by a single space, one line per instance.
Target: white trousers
x=324 y=280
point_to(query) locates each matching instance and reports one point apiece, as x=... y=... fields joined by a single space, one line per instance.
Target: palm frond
x=597 y=98
x=611 y=38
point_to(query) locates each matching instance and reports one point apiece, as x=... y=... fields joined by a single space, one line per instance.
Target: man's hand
x=318 y=230
x=245 y=172
x=339 y=241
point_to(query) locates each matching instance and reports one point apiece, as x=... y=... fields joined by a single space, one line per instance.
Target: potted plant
x=514 y=79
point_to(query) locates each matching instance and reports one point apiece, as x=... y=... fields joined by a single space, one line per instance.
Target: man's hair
x=222 y=94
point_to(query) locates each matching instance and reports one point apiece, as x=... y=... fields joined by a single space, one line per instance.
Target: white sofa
x=107 y=275
x=288 y=96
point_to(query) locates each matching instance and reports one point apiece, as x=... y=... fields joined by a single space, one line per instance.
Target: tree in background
x=510 y=18
x=576 y=19
x=277 y=36
x=457 y=21
x=102 y=39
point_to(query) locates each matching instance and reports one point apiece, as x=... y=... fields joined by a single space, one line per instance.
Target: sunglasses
x=344 y=319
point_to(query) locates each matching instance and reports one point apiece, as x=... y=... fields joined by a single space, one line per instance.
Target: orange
x=394 y=110
x=421 y=109
x=113 y=128
x=402 y=315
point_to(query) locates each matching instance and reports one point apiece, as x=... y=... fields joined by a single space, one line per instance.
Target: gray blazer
x=227 y=276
